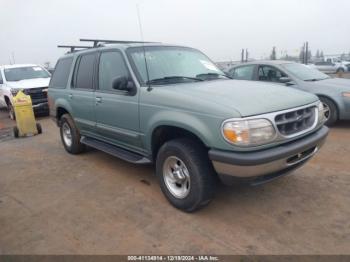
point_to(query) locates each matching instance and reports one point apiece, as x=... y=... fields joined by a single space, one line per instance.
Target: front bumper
x=267 y=163
x=41 y=107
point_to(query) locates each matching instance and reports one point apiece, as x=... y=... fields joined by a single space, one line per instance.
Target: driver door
x=116 y=111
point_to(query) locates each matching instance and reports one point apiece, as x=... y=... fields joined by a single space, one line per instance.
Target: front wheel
x=330 y=111
x=11 y=110
x=340 y=70
x=185 y=174
x=39 y=128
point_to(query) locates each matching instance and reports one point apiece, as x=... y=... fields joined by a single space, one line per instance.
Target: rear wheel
x=185 y=174
x=70 y=135
x=330 y=111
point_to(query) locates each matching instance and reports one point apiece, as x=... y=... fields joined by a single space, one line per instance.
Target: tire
x=70 y=135
x=331 y=108
x=11 y=110
x=38 y=127
x=15 y=132
x=199 y=185
x=340 y=70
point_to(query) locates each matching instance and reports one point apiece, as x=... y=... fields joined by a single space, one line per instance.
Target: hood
x=246 y=97
x=29 y=83
x=333 y=84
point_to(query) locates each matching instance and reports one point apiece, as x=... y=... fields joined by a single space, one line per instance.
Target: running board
x=115 y=151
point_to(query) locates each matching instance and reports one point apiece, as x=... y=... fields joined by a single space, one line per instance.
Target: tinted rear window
x=60 y=76
x=85 y=72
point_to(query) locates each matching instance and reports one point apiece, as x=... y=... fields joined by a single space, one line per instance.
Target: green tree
x=321 y=54
x=273 y=54
x=309 y=55
x=318 y=53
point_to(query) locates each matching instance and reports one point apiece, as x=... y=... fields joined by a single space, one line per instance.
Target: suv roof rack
x=97 y=42
x=73 y=47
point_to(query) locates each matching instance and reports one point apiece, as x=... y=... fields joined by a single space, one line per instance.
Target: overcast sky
x=31 y=29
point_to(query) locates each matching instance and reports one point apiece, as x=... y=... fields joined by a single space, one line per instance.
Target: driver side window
x=111 y=66
x=270 y=74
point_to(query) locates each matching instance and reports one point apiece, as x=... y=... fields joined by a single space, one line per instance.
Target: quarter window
x=60 y=76
x=84 y=74
x=244 y=72
x=111 y=66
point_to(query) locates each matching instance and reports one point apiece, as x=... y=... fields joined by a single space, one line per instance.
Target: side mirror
x=284 y=79
x=122 y=83
x=227 y=74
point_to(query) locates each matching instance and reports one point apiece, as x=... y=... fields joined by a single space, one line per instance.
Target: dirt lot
x=55 y=203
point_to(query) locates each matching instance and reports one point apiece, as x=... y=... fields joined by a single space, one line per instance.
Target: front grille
x=297 y=121
x=38 y=95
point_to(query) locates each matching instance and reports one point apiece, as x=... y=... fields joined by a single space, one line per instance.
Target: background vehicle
x=333 y=92
x=331 y=66
x=182 y=113
x=32 y=79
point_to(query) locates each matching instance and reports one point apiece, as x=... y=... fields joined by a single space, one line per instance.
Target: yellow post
x=25 y=119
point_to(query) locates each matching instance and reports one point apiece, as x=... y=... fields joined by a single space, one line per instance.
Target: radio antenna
x=143 y=47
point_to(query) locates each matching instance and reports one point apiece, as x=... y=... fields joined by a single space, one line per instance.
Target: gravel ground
x=55 y=203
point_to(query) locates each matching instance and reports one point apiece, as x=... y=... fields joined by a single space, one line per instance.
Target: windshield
x=21 y=73
x=304 y=72
x=172 y=65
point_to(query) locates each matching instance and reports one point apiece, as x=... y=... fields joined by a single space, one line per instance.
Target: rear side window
x=244 y=72
x=85 y=71
x=60 y=76
x=1 y=81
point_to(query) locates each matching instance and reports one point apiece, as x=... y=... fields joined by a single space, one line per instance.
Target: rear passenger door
x=81 y=95
x=117 y=111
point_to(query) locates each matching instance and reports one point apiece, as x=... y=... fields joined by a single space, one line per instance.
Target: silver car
x=333 y=92
x=331 y=67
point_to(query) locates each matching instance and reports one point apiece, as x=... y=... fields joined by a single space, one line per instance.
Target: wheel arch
x=7 y=100
x=61 y=107
x=331 y=99
x=163 y=133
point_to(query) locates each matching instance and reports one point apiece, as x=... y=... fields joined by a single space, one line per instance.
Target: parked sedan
x=333 y=92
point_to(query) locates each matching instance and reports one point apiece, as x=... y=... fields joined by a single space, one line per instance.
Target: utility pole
x=13 y=57
x=306 y=52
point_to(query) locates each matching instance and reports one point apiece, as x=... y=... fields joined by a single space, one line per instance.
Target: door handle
x=98 y=100
x=70 y=96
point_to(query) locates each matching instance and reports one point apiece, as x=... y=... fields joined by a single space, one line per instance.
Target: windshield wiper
x=171 y=78
x=315 y=79
x=211 y=75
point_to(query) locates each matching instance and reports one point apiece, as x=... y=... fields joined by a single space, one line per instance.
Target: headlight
x=321 y=117
x=346 y=94
x=251 y=132
x=14 y=91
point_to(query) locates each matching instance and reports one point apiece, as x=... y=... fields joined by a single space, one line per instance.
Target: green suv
x=171 y=106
